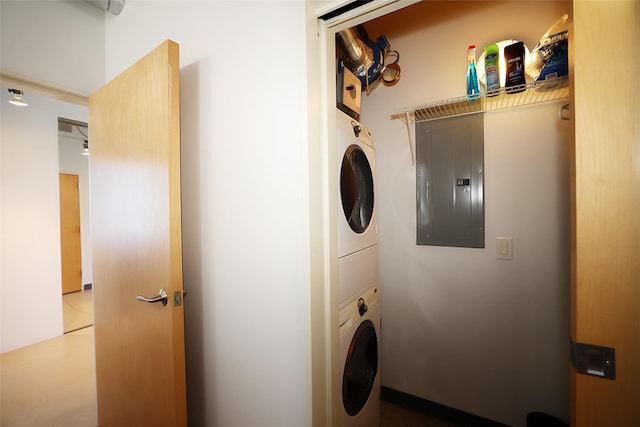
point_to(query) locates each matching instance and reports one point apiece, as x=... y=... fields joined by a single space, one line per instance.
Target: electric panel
x=450 y=182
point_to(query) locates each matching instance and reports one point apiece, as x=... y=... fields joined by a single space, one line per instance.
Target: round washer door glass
x=360 y=369
x=356 y=188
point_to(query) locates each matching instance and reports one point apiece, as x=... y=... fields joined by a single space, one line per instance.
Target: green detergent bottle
x=492 y=69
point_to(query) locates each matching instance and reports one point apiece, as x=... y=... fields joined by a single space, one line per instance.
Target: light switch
x=504 y=248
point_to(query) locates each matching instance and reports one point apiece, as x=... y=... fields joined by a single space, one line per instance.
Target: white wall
x=244 y=200
x=59 y=44
x=30 y=288
x=461 y=328
x=72 y=161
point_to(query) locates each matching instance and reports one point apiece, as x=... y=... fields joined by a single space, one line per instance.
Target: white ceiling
x=55 y=43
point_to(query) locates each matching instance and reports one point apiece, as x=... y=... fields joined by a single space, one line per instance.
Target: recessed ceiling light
x=17 y=98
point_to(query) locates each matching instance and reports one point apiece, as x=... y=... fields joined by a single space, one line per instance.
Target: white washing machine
x=357 y=224
x=359 y=355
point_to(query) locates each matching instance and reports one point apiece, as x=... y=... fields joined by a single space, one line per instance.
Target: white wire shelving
x=527 y=94
x=517 y=96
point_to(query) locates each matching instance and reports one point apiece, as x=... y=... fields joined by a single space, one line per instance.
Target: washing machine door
x=360 y=368
x=356 y=188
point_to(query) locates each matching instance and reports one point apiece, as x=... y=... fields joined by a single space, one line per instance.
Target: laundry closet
x=461 y=326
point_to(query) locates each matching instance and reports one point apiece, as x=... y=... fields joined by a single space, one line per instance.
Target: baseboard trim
x=436 y=410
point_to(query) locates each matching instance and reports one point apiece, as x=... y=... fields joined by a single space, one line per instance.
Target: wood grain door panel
x=71 y=248
x=605 y=297
x=135 y=184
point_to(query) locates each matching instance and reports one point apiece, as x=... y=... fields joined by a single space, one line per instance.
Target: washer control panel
x=353 y=312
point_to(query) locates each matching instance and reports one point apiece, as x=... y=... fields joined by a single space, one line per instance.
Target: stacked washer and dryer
x=359 y=294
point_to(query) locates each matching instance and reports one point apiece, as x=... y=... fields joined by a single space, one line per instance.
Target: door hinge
x=594 y=360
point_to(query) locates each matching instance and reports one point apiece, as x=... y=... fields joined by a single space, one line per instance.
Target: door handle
x=162 y=297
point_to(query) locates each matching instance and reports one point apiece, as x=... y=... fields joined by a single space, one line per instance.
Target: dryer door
x=360 y=368
x=356 y=188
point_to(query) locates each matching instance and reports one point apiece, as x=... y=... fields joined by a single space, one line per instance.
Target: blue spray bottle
x=473 y=89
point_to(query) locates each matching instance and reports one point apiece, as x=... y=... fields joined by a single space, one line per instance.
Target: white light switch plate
x=504 y=248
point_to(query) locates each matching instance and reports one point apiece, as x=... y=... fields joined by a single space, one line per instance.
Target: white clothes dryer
x=357 y=224
x=359 y=355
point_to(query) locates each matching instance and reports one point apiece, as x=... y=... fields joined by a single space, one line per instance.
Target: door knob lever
x=162 y=297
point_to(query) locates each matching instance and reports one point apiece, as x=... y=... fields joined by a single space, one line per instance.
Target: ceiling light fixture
x=17 y=98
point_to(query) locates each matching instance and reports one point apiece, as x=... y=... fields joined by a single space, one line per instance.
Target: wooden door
x=71 y=252
x=605 y=297
x=134 y=124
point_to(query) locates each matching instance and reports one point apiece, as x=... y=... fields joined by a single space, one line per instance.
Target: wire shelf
x=527 y=94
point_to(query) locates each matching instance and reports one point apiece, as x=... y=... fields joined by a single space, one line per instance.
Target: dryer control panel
x=351 y=313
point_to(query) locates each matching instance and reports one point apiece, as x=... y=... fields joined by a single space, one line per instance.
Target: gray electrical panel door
x=449 y=182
